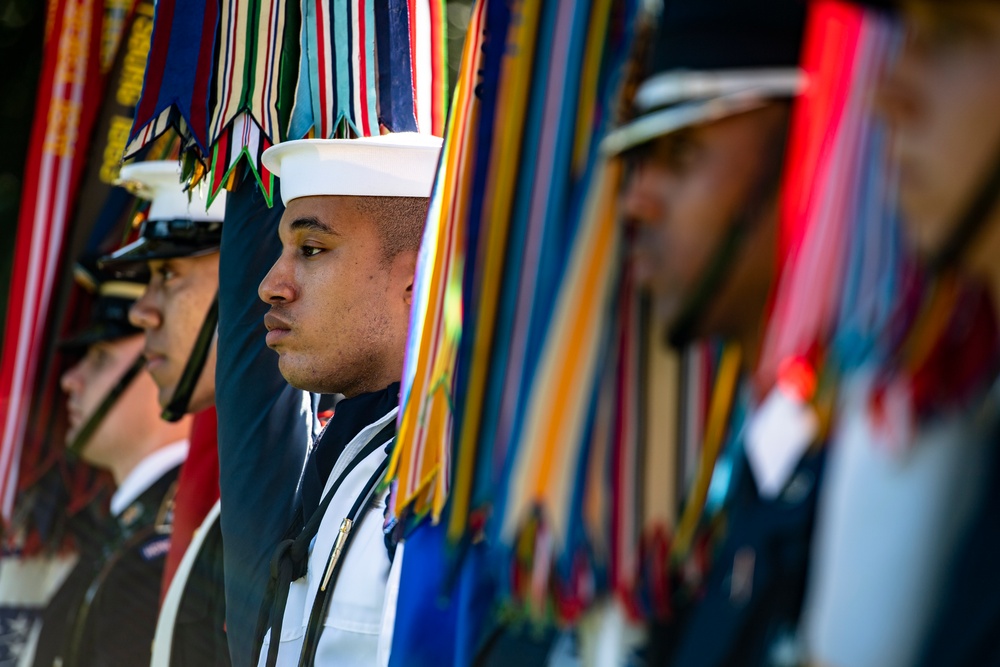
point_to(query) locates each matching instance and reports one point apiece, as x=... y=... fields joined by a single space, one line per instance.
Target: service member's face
x=133 y=414
x=943 y=100
x=171 y=311
x=682 y=194
x=339 y=307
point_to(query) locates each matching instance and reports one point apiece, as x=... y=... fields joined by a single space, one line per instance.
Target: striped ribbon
x=545 y=469
x=716 y=428
x=617 y=463
x=247 y=71
x=366 y=64
x=840 y=276
x=68 y=97
x=99 y=213
x=421 y=467
x=242 y=138
x=516 y=294
x=428 y=34
x=249 y=87
x=176 y=86
x=287 y=69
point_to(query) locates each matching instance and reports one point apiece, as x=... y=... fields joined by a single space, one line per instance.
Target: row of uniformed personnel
x=843 y=559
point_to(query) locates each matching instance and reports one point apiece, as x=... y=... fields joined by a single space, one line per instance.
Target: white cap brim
x=675 y=100
x=403 y=164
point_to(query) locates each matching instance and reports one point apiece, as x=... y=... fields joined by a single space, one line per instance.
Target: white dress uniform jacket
x=886 y=528
x=359 y=611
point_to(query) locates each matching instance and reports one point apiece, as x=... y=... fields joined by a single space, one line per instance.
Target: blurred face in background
x=134 y=415
x=171 y=312
x=942 y=99
x=684 y=192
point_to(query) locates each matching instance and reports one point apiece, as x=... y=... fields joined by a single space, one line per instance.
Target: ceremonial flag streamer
x=849 y=294
x=259 y=72
x=839 y=282
x=52 y=488
x=176 y=85
x=69 y=94
x=517 y=297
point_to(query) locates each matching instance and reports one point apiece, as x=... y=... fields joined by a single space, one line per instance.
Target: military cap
x=401 y=164
x=114 y=294
x=179 y=223
x=713 y=59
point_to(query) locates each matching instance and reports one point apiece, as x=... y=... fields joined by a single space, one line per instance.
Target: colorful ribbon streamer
x=841 y=273
x=176 y=86
x=286 y=69
x=516 y=291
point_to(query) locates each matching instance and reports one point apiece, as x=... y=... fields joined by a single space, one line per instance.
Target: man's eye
x=310 y=251
x=682 y=153
x=166 y=273
x=677 y=152
x=98 y=357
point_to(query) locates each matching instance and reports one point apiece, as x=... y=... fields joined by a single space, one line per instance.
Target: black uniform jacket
x=753 y=598
x=200 y=629
x=104 y=615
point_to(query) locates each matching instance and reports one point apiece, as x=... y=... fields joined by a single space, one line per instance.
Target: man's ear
x=404 y=267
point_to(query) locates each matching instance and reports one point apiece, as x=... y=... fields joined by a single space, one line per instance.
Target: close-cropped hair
x=400 y=221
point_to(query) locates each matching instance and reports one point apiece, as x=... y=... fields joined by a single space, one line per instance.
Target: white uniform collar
x=148 y=471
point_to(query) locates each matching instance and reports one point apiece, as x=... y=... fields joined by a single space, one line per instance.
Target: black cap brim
x=144 y=250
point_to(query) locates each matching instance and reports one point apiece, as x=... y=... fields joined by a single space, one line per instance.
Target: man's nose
x=143 y=314
x=70 y=381
x=641 y=202
x=277 y=286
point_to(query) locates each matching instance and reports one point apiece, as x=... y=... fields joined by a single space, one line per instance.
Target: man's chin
x=202 y=400
x=926 y=238
x=676 y=325
x=297 y=378
x=164 y=395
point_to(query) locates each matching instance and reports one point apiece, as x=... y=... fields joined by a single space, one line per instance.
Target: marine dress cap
x=713 y=59
x=180 y=224
x=402 y=164
x=114 y=293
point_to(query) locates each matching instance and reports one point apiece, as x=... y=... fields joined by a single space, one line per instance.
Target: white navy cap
x=180 y=222
x=160 y=182
x=401 y=164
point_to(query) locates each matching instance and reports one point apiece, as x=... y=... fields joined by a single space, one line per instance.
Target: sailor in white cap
x=340 y=295
x=180 y=236
x=179 y=242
